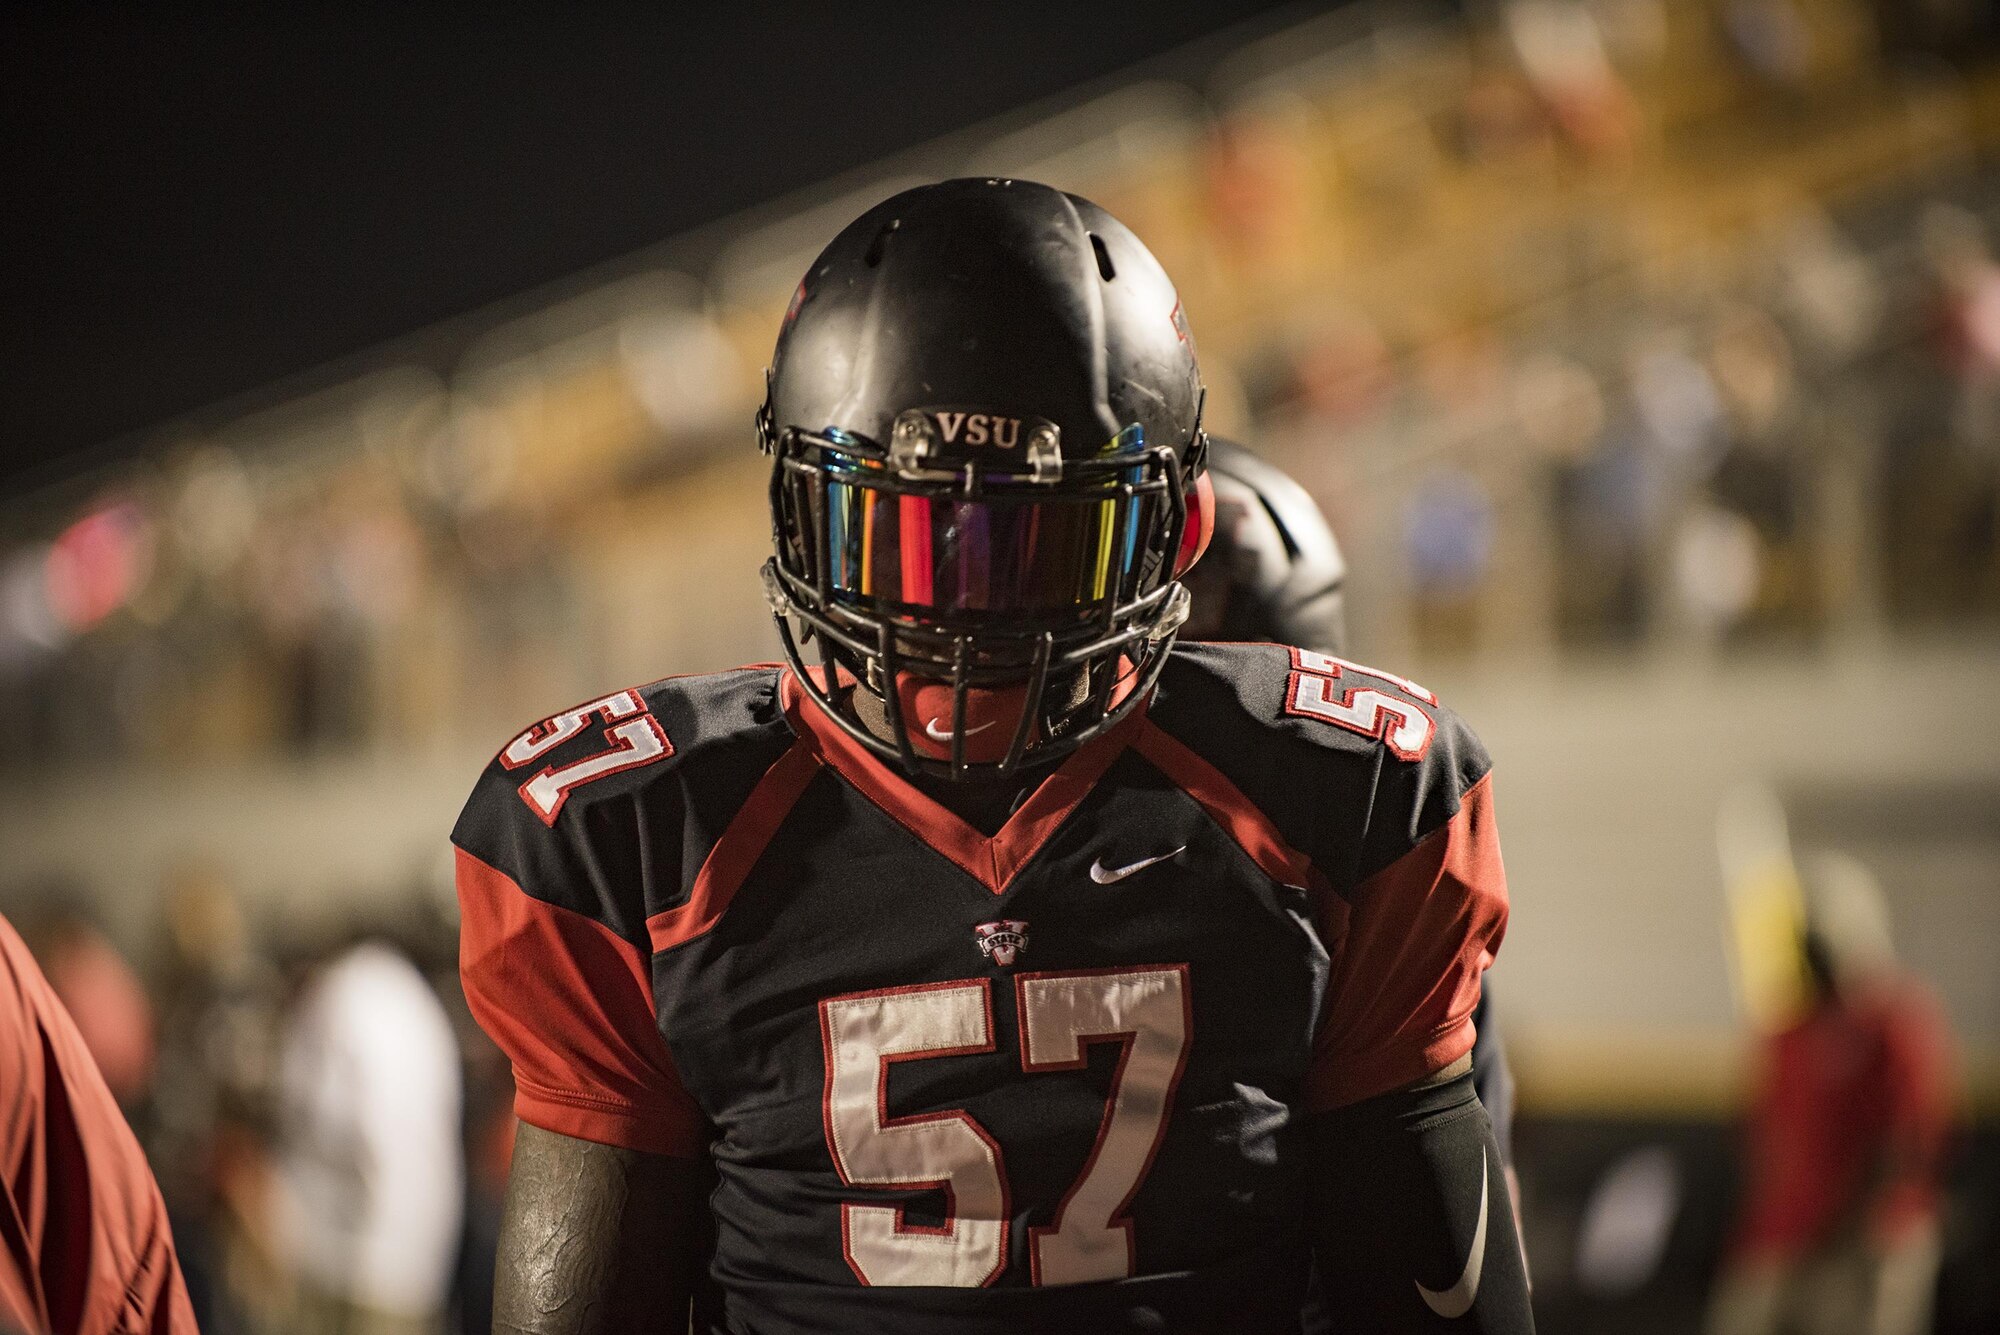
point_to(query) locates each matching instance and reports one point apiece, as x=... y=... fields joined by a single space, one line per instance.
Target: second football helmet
x=1274 y=571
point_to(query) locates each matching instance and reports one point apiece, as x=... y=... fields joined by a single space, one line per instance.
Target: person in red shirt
x=1847 y=1137
x=84 y=1243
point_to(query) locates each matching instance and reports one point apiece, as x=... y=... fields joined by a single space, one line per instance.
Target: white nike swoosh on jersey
x=1456 y=1301
x=942 y=736
x=1104 y=875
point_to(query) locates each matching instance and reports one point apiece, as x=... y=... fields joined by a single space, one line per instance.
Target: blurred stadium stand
x=1645 y=354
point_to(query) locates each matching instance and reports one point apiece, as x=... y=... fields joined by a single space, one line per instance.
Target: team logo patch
x=1002 y=941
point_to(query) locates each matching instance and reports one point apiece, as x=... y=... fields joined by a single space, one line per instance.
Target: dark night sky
x=196 y=206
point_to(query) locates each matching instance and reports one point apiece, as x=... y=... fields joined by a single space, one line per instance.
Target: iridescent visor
x=1014 y=548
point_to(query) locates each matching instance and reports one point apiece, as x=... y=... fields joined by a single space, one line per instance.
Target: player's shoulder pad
x=579 y=800
x=1354 y=764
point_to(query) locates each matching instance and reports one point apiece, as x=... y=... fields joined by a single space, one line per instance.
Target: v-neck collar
x=992 y=861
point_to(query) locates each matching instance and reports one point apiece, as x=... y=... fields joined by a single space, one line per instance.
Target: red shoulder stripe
x=737 y=851
x=1229 y=808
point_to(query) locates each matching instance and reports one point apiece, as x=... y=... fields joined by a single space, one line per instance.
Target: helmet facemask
x=1022 y=595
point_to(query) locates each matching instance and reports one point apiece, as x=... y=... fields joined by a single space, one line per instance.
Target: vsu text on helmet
x=979 y=428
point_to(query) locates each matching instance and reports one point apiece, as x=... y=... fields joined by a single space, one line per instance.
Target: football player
x=1274 y=571
x=992 y=964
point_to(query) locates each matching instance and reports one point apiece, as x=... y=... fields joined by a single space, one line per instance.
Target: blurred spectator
x=84 y=1242
x=1718 y=568
x=1762 y=476
x=1678 y=405
x=1771 y=39
x=1498 y=119
x=1602 y=489
x=1940 y=475
x=369 y=1163
x=1636 y=32
x=218 y=1003
x=1830 y=291
x=1342 y=373
x=1259 y=194
x=1448 y=544
x=1950 y=28
x=1966 y=320
x=1561 y=48
x=1839 y=1231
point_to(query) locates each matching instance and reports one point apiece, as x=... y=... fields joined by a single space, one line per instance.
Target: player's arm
x=1413 y=1226
x=606 y=1216
x=605 y=1221
x=598 y=1238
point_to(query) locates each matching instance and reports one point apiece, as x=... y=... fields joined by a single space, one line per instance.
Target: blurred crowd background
x=1644 y=353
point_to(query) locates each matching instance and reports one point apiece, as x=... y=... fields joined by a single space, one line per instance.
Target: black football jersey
x=1050 y=1079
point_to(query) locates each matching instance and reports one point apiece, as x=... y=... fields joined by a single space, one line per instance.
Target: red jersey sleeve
x=570 y=1002
x=84 y=1243
x=1409 y=944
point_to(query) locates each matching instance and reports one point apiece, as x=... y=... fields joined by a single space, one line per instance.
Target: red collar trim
x=992 y=862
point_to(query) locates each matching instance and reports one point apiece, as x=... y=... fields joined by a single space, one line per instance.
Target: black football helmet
x=984 y=414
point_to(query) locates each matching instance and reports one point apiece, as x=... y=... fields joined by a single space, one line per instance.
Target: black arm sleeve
x=1413 y=1229
x=1491 y=1074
